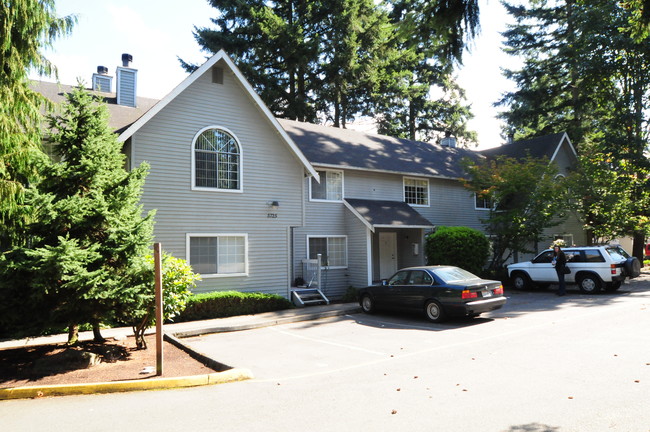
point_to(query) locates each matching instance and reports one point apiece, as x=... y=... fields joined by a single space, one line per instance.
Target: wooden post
x=159 y=307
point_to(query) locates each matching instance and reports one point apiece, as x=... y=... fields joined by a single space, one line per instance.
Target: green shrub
x=350 y=295
x=178 y=280
x=230 y=303
x=459 y=246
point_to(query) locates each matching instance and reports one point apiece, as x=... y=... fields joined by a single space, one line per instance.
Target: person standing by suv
x=559 y=262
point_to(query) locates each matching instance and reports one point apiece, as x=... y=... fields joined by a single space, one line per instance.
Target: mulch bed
x=119 y=361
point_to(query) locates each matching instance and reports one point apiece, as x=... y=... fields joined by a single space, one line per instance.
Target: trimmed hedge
x=230 y=303
x=463 y=247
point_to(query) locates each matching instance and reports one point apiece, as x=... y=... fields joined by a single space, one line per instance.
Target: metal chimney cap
x=126 y=59
x=102 y=70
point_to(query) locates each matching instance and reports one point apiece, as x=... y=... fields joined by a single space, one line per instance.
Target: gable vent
x=217 y=75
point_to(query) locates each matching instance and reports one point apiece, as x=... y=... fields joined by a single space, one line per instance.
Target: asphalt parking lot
x=354 y=341
x=541 y=364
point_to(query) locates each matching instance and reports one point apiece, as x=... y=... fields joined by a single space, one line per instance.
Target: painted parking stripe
x=327 y=342
x=436 y=348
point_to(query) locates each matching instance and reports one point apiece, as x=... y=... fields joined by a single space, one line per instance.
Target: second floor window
x=217 y=163
x=330 y=187
x=416 y=191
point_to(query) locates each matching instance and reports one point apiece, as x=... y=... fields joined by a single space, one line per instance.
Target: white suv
x=592 y=268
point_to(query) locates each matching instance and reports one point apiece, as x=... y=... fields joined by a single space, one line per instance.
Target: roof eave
x=406 y=173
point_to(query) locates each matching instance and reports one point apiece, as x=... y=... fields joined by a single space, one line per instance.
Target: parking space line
x=327 y=342
x=431 y=349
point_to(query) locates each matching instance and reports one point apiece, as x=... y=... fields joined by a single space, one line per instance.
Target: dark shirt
x=560 y=260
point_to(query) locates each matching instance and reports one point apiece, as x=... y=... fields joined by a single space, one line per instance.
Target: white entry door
x=387 y=254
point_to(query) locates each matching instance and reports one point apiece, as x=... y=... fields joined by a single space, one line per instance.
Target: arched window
x=217 y=160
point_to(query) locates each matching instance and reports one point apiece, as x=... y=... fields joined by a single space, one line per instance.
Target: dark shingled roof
x=121 y=116
x=388 y=213
x=539 y=147
x=346 y=148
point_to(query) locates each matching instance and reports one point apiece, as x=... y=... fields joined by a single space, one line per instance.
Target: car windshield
x=454 y=274
x=617 y=253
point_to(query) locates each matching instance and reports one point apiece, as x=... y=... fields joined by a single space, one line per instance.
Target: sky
x=157 y=32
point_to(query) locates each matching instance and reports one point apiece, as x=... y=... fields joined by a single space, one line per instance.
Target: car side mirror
x=384 y=282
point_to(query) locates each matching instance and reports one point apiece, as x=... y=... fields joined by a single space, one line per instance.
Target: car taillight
x=467 y=294
x=613 y=266
x=498 y=290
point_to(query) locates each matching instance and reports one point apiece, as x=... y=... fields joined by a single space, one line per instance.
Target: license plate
x=487 y=293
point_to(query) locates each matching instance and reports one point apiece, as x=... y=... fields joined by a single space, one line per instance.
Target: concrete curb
x=231 y=375
x=226 y=374
x=264 y=323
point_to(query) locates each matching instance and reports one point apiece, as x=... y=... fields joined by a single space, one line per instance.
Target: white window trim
x=329 y=237
x=188 y=236
x=564 y=237
x=241 y=163
x=481 y=208
x=324 y=179
x=428 y=204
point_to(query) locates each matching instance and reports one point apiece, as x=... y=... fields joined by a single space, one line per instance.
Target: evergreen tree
x=314 y=60
x=355 y=38
x=419 y=99
x=276 y=46
x=86 y=260
x=27 y=26
x=585 y=74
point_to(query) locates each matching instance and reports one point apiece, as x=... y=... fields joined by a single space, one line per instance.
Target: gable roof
x=129 y=120
x=538 y=147
x=121 y=117
x=345 y=148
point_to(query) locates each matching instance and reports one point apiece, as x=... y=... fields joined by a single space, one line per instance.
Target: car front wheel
x=367 y=304
x=589 y=284
x=434 y=311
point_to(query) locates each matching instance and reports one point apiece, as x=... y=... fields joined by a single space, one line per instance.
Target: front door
x=387 y=254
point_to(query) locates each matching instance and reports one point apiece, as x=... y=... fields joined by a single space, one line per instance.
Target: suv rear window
x=593 y=255
x=617 y=253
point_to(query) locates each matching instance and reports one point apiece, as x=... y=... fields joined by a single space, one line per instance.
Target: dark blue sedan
x=438 y=291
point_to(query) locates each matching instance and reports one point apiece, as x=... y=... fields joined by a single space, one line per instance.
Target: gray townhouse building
x=250 y=200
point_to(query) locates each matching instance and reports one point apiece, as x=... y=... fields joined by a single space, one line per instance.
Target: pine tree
x=315 y=60
x=86 y=261
x=585 y=74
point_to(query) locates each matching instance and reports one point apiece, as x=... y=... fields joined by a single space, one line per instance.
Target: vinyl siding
x=449 y=202
x=126 y=87
x=270 y=172
x=357 y=251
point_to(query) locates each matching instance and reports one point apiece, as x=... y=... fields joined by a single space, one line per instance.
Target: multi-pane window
x=483 y=203
x=416 y=191
x=218 y=254
x=217 y=162
x=330 y=187
x=333 y=250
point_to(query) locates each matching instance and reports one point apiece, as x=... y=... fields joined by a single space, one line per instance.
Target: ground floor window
x=568 y=239
x=218 y=254
x=333 y=250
